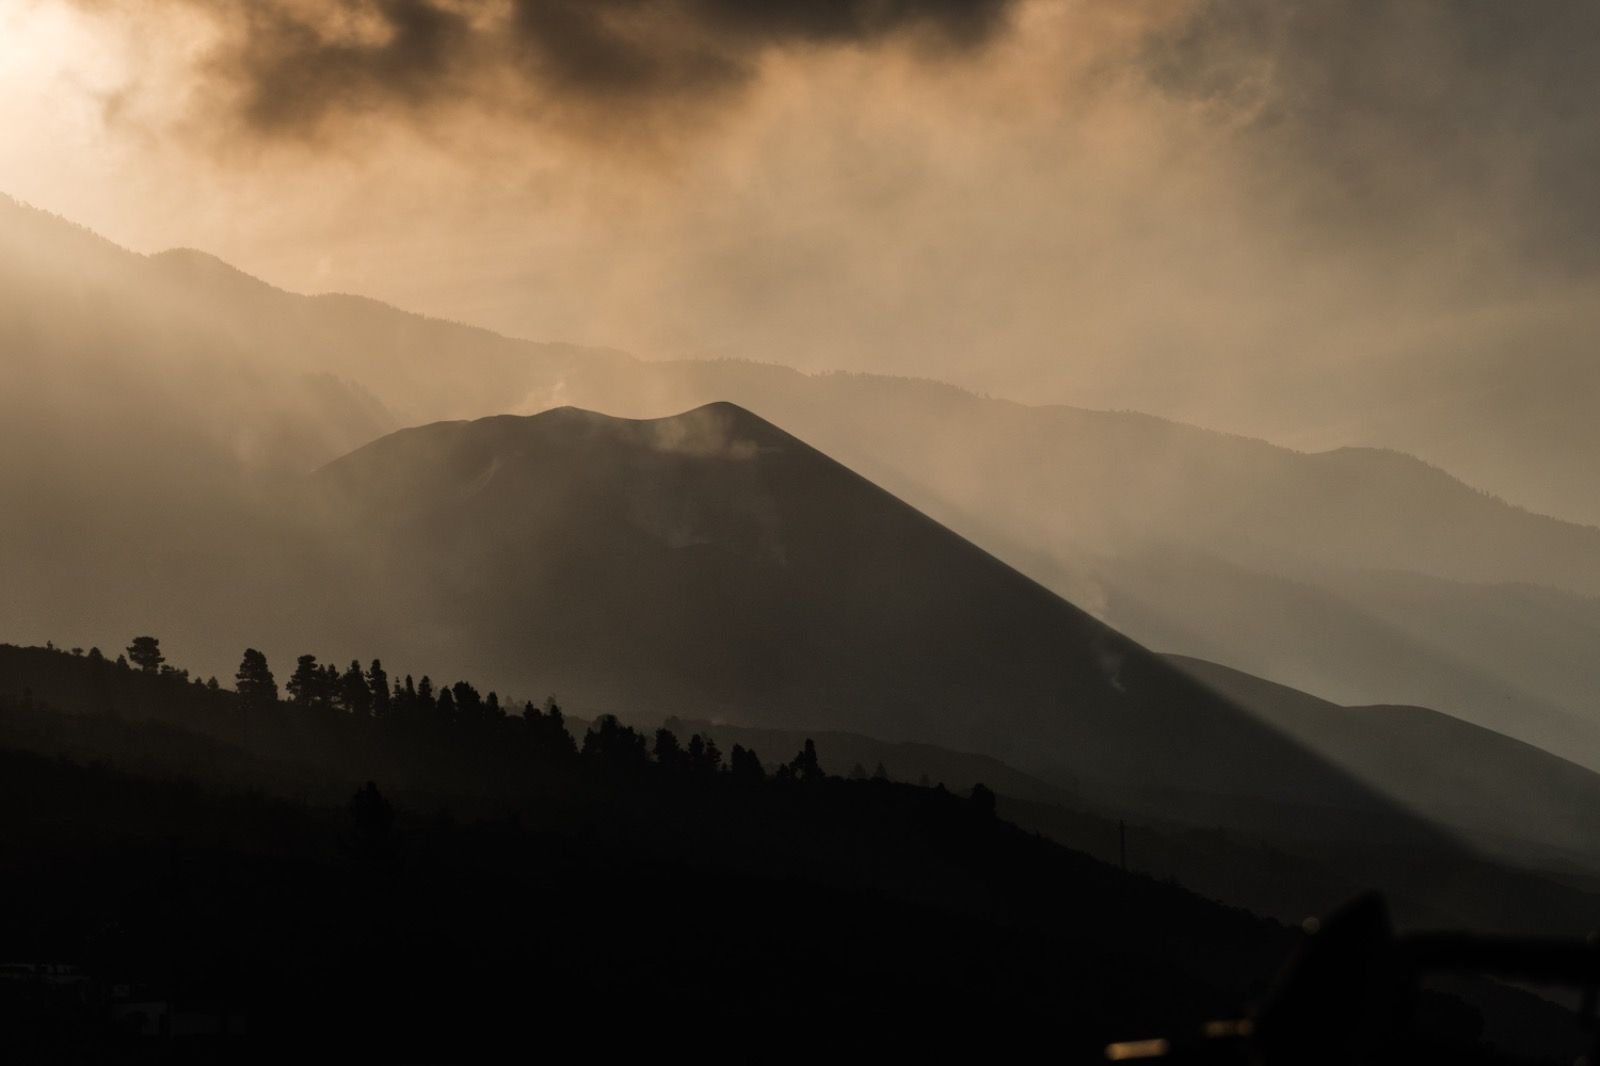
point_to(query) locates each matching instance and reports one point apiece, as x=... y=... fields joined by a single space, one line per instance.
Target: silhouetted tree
x=444 y=708
x=982 y=799
x=745 y=764
x=703 y=756
x=806 y=766
x=378 y=686
x=880 y=774
x=667 y=750
x=469 y=704
x=145 y=653
x=547 y=731
x=254 y=681
x=305 y=685
x=858 y=772
x=372 y=820
x=609 y=741
x=403 y=702
x=354 y=695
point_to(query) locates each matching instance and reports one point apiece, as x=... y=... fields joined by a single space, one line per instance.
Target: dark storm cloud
x=1453 y=112
x=294 y=70
x=295 y=65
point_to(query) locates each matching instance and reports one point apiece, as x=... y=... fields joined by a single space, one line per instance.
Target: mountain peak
x=193 y=265
x=710 y=430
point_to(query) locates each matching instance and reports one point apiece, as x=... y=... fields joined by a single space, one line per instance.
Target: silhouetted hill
x=1285 y=877
x=1108 y=508
x=446 y=926
x=151 y=395
x=176 y=882
x=710 y=565
x=170 y=725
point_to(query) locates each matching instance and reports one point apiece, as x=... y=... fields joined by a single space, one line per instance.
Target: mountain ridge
x=736 y=532
x=198 y=379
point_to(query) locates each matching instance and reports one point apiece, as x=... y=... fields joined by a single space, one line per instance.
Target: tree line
x=405 y=704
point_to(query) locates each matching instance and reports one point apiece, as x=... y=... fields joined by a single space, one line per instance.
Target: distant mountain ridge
x=192 y=382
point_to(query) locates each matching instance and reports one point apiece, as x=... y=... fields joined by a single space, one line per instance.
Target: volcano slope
x=711 y=565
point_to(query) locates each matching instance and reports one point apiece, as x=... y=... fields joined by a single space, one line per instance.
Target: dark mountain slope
x=711 y=565
x=1519 y=798
x=443 y=926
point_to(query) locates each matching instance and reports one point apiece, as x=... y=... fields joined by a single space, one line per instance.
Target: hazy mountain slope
x=111 y=364
x=1281 y=563
x=1514 y=414
x=1057 y=475
x=103 y=339
x=710 y=565
x=1244 y=870
x=1517 y=659
x=421 y=369
x=1044 y=473
x=1516 y=794
x=151 y=411
x=149 y=397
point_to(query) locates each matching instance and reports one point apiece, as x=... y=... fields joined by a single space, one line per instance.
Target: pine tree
x=378 y=686
x=354 y=695
x=469 y=705
x=806 y=766
x=745 y=764
x=254 y=681
x=305 y=685
x=667 y=750
x=145 y=653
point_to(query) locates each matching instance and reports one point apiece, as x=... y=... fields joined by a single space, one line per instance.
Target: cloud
x=288 y=68
x=1252 y=214
x=1446 y=113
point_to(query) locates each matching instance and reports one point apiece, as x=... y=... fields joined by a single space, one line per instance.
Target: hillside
x=197 y=390
x=264 y=894
x=155 y=862
x=1519 y=797
x=711 y=566
x=1512 y=658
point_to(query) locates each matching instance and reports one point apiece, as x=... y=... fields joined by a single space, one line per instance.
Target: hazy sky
x=1140 y=203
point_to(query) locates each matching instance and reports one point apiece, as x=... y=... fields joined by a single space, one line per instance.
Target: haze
x=1258 y=217
x=1150 y=444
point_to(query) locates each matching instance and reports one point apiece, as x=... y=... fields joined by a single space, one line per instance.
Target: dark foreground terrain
x=190 y=873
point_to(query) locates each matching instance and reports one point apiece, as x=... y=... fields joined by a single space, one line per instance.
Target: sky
x=1197 y=209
